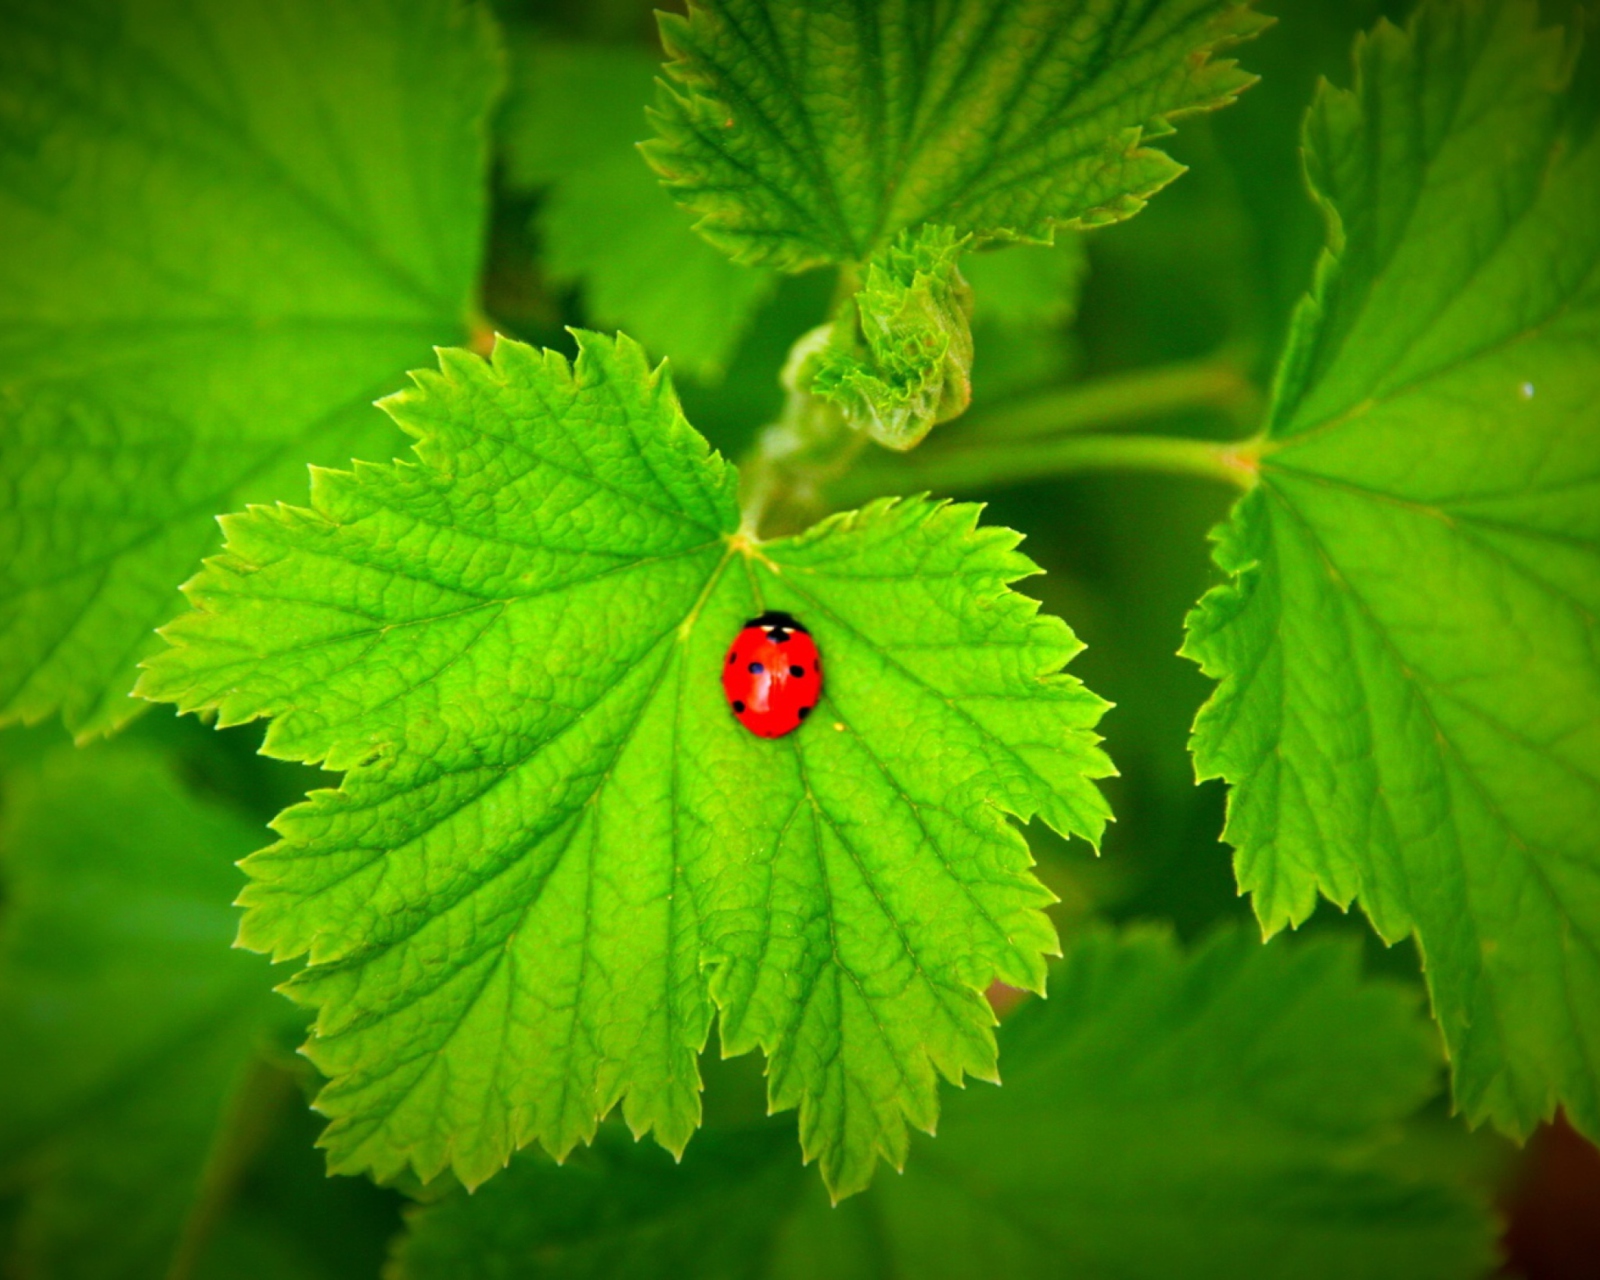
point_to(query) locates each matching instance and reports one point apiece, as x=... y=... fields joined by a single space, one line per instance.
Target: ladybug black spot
x=756 y=668
x=733 y=655
x=804 y=712
x=738 y=708
x=797 y=672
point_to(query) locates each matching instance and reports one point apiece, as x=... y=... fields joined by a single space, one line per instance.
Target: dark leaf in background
x=135 y=1068
x=1236 y=1111
x=810 y=133
x=230 y=225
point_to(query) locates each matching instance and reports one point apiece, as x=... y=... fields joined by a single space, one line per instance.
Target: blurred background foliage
x=1203 y=281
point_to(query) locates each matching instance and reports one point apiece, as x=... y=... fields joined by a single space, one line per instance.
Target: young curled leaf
x=915 y=321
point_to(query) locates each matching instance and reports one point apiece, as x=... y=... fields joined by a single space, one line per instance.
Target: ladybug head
x=777 y=618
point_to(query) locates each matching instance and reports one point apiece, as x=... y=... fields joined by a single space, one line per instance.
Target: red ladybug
x=773 y=675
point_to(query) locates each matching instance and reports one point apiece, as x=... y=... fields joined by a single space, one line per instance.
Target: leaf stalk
x=944 y=470
x=1216 y=383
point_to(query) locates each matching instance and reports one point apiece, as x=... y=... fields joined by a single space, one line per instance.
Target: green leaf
x=1409 y=706
x=914 y=313
x=1231 y=1113
x=813 y=132
x=130 y=1027
x=555 y=852
x=573 y=118
x=229 y=225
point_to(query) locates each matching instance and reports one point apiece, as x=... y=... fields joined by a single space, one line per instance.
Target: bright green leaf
x=229 y=224
x=1409 y=707
x=1233 y=1113
x=573 y=117
x=914 y=368
x=129 y=1025
x=555 y=852
x=816 y=131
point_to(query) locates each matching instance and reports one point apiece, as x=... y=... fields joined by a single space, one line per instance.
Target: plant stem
x=1213 y=383
x=999 y=462
x=261 y=1096
x=783 y=477
x=810 y=462
x=793 y=460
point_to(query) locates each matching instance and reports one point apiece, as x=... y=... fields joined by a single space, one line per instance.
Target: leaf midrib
x=505 y=772
x=1456 y=521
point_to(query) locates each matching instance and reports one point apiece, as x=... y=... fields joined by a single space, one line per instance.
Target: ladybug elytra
x=773 y=675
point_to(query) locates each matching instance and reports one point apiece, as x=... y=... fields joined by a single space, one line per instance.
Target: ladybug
x=773 y=675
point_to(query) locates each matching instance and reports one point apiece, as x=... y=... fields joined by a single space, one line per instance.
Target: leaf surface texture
x=230 y=225
x=1409 y=706
x=816 y=131
x=555 y=853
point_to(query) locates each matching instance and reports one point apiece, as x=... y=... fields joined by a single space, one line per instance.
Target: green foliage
x=555 y=852
x=914 y=312
x=1232 y=1112
x=554 y=861
x=572 y=118
x=815 y=132
x=210 y=271
x=130 y=1029
x=571 y=122
x=1409 y=704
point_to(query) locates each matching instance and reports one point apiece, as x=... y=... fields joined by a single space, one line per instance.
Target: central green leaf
x=555 y=853
x=814 y=131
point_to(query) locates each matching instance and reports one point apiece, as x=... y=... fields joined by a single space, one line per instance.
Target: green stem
x=1000 y=462
x=258 y=1101
x=784 y=477
x=1214 y=383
